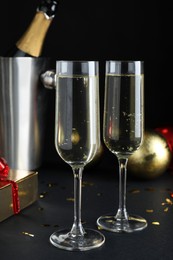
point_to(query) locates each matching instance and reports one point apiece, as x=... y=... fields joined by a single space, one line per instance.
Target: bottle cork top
x=48 y=7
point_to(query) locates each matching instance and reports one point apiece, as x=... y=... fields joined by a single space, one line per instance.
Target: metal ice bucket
x=23 y=107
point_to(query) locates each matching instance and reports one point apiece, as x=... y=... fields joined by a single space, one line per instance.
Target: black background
x=98 y=30
x=101 y=30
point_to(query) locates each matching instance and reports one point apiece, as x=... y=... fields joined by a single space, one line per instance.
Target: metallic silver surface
x=23 y=105
x=49 y=79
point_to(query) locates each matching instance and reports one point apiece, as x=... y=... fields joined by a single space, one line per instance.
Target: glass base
x=63 y=239
x=133 y=223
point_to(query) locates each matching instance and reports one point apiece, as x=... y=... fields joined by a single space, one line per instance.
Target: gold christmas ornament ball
x=75 y=137
x=152 y=158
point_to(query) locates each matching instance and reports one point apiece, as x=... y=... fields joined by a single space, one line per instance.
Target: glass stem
x=77 y=228
x=122 y=212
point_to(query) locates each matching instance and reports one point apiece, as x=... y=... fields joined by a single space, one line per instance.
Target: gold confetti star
x=149 y=210
x=70 y=199
x=156 y=223
x=42 y=195
x=168 y=203
x=99 y=228
x=134 y=191
x=27 y=234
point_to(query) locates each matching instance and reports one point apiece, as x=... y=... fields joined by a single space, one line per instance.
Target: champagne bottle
x=32 y=41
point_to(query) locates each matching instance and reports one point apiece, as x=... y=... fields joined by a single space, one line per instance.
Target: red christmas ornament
x=167 y=132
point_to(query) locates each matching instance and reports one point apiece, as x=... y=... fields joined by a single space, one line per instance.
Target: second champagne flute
x=123 y=132
x=77 y=139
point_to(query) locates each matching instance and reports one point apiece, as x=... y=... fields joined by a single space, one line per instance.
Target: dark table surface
x=26 y=235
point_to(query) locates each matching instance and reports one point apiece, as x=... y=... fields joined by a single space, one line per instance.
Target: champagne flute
x=123 y=127
x=77 y=139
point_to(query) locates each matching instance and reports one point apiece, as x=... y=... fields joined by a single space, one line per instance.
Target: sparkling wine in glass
x=77 y=139
x=123 y=127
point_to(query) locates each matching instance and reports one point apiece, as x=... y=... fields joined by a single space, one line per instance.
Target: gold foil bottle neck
x=33 y=39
